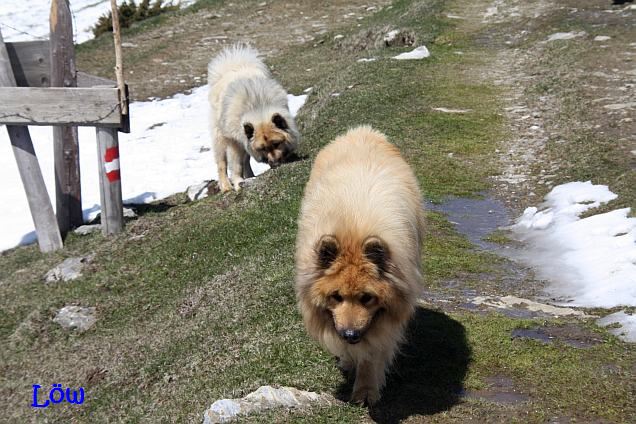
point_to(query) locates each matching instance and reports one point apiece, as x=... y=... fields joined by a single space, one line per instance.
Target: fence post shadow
x=428 y=375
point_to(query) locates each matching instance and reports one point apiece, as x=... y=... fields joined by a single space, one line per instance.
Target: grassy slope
x=202 y=306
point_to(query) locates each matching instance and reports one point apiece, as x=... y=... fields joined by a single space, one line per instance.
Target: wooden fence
x=40 y=86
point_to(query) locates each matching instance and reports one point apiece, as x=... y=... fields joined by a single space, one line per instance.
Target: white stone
x=198 y=191
x=510 y=302
x=76 y=317
x=447 y=110
x=68 y=270
x=566 y=35
x=264 y=398
x=83 y=230
x=618 y=106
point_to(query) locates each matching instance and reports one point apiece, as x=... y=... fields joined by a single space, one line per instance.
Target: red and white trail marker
x=111 y=164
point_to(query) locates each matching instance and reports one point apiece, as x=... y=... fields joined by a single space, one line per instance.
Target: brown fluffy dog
x=358 y=267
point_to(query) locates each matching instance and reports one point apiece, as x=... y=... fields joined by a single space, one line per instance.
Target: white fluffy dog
x=249 y=115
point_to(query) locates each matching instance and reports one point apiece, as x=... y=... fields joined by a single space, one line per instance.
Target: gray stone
x=68 y=270
x=87 y=229
x=264 y=398
x=566 y=35
x=129 y=213
x=76 y=317
x=202 y=190
x=513 y=302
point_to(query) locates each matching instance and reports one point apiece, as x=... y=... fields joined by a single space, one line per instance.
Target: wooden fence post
x=49 y=238
x=112 y=216
x=65 y=139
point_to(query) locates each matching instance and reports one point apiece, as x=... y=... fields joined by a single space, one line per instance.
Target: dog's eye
x=336 y=297
x=366 y=298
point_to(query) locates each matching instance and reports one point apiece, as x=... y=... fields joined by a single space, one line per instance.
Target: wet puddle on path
x=475 y=218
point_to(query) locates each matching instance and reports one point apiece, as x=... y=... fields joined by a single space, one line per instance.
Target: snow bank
x=167 y=150
x=589 y=262
x=24 y=20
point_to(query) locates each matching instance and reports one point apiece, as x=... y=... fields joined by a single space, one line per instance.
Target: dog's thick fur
x=249 y=115
x=358 y=268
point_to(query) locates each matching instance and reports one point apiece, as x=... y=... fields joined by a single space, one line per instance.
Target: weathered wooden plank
x=60 y=106
x=68 y=192
x=30 y=62
x=112 y=215
x=31 y=65
x=49 y=237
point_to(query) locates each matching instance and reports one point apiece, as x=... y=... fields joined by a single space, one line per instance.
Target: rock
x=202 y=190
x=129 y=213
x=619 y=106
x=68 y=270
x=76 y=317
x=447 y=110
x=264 y=398
x=87 y=229
x=565 y=35
x=513 y=302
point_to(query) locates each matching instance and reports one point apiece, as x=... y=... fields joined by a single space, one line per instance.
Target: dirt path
x=558 y=92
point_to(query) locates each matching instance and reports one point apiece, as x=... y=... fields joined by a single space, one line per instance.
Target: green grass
x=202 y=307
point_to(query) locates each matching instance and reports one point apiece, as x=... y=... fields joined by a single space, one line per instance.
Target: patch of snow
x=25 y=20
x=338 y=37
x=626 y=322
x=156 y=160
x=602 y=38
x=420 y=52
x=589 y=262
x=366 y=59
x=565 y=35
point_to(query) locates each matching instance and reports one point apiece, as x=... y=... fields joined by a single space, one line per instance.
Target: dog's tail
x=236 y=58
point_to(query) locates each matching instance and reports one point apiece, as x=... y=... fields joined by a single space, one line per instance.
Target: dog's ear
x=280 y=122
x=249 y=130
x=376 y=252
x=327 y=250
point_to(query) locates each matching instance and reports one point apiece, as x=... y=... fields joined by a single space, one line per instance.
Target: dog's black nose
x=351 y=336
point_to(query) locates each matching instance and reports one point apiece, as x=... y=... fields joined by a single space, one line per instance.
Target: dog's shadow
x=427 y=376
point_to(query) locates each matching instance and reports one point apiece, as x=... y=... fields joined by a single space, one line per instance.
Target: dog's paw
x=238 y=183
x=225 y=186
x=365 y=396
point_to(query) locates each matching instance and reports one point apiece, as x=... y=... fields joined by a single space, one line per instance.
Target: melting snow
x=24 y=20
x=589 y=262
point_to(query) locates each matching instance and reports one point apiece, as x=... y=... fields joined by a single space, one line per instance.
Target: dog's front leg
x=366 y=388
